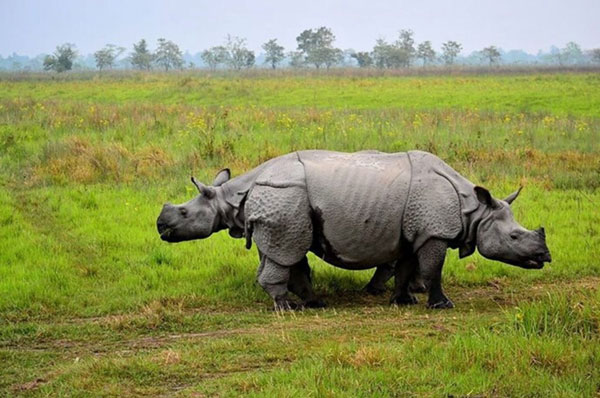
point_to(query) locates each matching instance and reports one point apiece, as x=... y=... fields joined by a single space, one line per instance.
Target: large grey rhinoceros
x=355 y=211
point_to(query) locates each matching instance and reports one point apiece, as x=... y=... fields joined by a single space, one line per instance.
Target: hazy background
x=34 y=27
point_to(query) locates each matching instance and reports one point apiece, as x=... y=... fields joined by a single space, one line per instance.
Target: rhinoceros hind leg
x=431 y=260
x=417 y=285
x=383 y=273
x=301 y=285
x=274 y=278
x=404 y=270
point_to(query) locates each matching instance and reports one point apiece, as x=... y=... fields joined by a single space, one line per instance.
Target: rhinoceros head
x=195 y=219
x=500 y=237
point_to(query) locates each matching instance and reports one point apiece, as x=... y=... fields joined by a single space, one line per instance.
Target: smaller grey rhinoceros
x=355 y=211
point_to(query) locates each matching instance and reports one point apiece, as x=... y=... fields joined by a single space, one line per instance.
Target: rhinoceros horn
x=510 y=198
x=203 y=189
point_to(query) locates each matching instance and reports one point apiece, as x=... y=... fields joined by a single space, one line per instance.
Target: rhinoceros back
x=357 y=202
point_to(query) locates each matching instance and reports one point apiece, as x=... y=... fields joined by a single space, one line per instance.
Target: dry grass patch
x=77 y=160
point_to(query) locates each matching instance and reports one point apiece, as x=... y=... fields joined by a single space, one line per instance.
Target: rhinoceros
x=355 y=211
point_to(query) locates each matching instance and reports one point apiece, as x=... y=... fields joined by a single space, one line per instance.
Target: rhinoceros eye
x=514 y=236
x=183 y=212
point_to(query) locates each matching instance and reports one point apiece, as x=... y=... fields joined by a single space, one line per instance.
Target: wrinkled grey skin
x=356 y=211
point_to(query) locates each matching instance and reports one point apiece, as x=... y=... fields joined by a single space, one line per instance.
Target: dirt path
x=353 y=316
x=357 y=308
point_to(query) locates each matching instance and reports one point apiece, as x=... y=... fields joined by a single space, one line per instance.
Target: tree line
x=315 y=48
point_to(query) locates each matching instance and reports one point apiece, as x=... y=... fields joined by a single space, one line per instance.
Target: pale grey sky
x=31 y=27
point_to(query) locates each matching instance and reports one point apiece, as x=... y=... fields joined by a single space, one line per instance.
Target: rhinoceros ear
x=222 y=177
x=510 y=198
x=485 y=197
x=203 y=189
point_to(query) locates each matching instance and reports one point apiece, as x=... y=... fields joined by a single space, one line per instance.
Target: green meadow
x=93 y=303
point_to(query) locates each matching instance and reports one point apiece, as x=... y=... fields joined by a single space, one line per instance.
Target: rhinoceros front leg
x=431 y=260
x=274 y=279
x=300 y=284
x=383 y=273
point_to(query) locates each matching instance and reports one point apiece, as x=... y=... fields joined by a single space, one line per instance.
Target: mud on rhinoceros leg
x=431 y=260
x=404 y=275
x=274 y=279
x=300 y=284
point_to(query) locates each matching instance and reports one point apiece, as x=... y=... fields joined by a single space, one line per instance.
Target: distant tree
x=425 y=52
x=491 y=54
x=274 y=53
x=390 y=56
x=595 y=55
x=363 y=58
x=556 y=55
x=296 y=59
x=62 y=58
x=346 y=57
x=214 y=56
x=238 y=56
x=106 y=57
x=317 y=47
x=168 y=55
x=141 y=58
x=450 y=51
x=250 y=58
x=572 y=53
x=381 y=53
x=406 y=45
x=332 y=56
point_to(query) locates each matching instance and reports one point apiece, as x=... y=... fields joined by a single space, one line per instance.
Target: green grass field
x=92 y=303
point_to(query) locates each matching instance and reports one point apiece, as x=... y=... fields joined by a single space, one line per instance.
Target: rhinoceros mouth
x=533 y=264
x=526 y=263
x=537 y=262
x=164 y=230
x=165 y=234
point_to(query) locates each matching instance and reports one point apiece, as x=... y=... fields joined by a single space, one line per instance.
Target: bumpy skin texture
x=356 y=211
x=433 y=209
x=278 y=214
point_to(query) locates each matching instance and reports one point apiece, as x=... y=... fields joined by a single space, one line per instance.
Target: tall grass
x=51 y=141
x=349 y=72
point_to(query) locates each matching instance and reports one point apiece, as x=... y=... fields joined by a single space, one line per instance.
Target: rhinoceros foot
x=442 y=304
x=404 y=299
x=315 y=303
x=285 y=304
x=374 y=290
